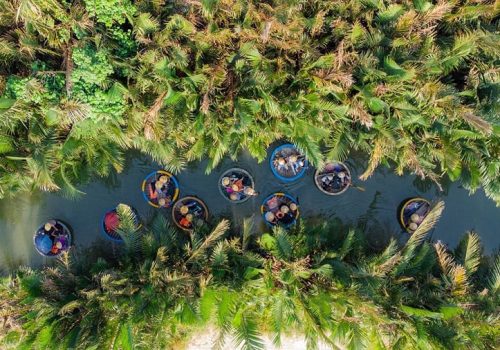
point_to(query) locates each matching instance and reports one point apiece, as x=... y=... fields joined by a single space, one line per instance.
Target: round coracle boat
x=237 y=185
x=413 y=212
x=333 y=179
x=111 y=222
x=280 y=209
x=160 y=189
x=189 y=212
x=52 y=238
x=287 y=163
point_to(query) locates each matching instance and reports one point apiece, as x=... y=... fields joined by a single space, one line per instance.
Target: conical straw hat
x=184 y=210
x=414 y=218
x=249 y=191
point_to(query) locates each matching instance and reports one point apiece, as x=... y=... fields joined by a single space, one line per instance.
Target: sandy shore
x=205 y=340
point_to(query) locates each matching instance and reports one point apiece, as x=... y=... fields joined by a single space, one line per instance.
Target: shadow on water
x=375 y=208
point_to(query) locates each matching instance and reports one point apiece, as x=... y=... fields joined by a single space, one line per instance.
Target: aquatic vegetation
x=322 y=281
x=412 y=84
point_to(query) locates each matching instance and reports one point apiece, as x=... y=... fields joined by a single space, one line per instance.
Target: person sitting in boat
x=249 y=191
x=54 y=231
x=285 y=214
x=271 y=218
x=235 y=196
x=415 y=221
x=299 y=165
x=187 y=221
x=50 y=228
x=230 y=185
x=335 y=181
x=238 y=185
x=158 y=190
x=159 y=187
x=226 y=182
x=272 y=203
x=294 y=163
x=326 y=181
x=164 y=202
x=236 y=188
x=186 y=217
x=281 y=164
x=57 y=246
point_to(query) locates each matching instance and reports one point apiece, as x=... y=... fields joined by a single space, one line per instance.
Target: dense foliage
x=323 y=282
x=413 y=84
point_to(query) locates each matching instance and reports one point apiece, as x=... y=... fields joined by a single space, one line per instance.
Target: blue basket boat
x=280 y=209
x=160 y=189
x=110 y=221
x=52 y=238
x=287 y=163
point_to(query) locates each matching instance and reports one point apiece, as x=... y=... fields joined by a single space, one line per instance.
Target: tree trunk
x=68 y=61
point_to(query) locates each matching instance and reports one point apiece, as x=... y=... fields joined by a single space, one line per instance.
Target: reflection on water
x=375 y=207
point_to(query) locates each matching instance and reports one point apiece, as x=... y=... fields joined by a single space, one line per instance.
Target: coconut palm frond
x=455 y=273
x=472 y=256
x=247 y=232
x=379 y=150
x=427 y=224
x=219 y=257
x=246 y=332
x=128 y=229
x=459 y=279
x=210 y=240
x=347 y=244
x=478 y=123
x=446 y=261
x=69 y=307
x=68 y=187
x=494 y=279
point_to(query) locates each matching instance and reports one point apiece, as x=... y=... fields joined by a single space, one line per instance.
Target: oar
x=359 y=188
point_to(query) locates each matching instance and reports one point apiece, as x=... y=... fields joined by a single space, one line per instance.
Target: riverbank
x=204 y=341
x=384 y=191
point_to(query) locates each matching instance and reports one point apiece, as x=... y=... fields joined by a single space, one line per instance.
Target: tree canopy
x=411 y=84
x=325 y=282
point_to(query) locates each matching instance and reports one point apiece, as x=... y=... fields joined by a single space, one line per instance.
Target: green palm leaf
x=209 y=241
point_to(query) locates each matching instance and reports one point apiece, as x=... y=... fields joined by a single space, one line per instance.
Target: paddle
x=359 y=188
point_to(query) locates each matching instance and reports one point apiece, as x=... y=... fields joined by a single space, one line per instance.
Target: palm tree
x=322 y=282
x=409 y=84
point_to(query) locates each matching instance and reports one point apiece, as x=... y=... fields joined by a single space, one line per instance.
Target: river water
x=384 y=192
